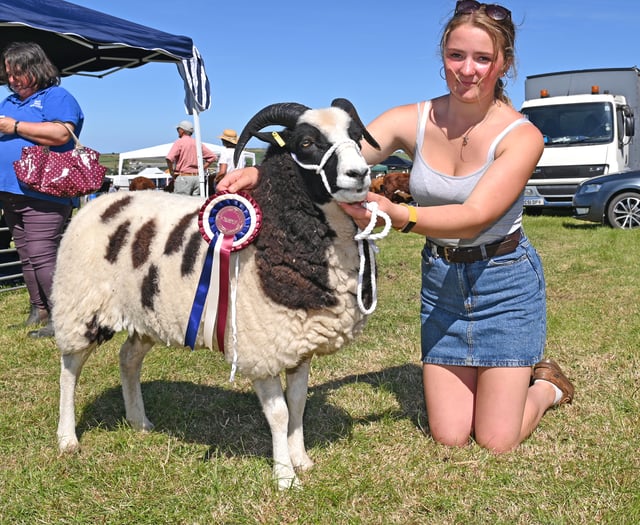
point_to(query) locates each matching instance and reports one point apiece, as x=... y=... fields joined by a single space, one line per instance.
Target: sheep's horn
x=347 y=106
x=283 y=114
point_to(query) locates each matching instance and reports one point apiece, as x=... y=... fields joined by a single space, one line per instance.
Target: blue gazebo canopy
x=82 y=41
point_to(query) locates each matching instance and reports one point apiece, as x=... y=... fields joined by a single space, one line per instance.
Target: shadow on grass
x=231 y=423
x=584 y=226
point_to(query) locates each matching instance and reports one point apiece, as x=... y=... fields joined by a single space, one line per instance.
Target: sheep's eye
x=306 y=143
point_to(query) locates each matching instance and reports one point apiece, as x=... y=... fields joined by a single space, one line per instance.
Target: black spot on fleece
x=96 y=333
x=291 y=247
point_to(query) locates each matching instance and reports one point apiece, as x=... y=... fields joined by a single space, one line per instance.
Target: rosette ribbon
x=228 y=222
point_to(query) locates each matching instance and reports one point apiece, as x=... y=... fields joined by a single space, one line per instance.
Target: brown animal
x=141 y=183
x=376 y=185
x=394 y=186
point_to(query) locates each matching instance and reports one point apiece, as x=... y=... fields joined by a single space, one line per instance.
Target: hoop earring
x=442 y=75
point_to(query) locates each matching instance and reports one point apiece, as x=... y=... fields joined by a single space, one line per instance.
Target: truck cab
x=586 y=132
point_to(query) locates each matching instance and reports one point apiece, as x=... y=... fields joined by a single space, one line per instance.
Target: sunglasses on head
x=494 y=11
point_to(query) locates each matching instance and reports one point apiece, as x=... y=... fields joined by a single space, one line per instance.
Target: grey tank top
x=433 y=188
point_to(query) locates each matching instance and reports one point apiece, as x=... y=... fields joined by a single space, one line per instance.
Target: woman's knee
x=450 y=437
x=498 y=444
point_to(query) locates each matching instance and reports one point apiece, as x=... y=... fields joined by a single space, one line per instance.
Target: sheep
x=136 y=258
x=394 y=186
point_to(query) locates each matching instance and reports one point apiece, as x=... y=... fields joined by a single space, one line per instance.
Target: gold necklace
x=465 y=137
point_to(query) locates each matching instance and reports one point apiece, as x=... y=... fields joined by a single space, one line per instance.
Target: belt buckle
x=446 y=251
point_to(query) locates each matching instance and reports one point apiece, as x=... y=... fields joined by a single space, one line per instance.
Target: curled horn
x=283 y=114
x=347 y=106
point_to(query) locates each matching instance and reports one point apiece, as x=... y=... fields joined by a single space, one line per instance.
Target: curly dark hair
x=29 y=58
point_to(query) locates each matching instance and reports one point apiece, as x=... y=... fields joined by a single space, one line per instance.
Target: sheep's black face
x=309 y=146
x=347 y=173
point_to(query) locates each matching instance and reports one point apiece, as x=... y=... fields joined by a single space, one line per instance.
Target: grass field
x=208 y=460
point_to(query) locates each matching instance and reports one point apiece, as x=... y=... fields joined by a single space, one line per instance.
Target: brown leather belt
x=477 y=253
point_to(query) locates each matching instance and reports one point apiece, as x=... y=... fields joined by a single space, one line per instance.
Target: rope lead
x=370 y=238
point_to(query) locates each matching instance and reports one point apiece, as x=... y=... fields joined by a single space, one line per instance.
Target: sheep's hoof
x=286 y=478
x=304 y=463
x=144 y=426
x=147 y=426
x=68 y=445
x=289 y=483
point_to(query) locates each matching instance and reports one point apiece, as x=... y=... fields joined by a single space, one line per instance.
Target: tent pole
x=201 y=174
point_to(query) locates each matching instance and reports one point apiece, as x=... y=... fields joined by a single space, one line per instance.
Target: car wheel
x=624 y=211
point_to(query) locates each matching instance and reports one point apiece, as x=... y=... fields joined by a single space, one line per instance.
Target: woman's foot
x=45 y=331
x=37 y=316
x=548 y=370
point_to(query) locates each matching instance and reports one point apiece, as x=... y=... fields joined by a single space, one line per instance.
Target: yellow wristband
x=413 y=218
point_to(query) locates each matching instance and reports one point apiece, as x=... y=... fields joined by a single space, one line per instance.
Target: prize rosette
x=228 y=222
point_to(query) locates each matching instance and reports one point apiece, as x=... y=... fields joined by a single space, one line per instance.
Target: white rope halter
x=319 y=168
x=362 y=235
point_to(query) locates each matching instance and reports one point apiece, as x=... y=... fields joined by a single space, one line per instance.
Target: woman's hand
x=240 y=179
x=7 y=125
x=358 y=211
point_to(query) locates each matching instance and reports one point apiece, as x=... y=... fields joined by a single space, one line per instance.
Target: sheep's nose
x=357 y=174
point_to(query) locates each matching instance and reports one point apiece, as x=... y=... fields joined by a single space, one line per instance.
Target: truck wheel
x=624 y=211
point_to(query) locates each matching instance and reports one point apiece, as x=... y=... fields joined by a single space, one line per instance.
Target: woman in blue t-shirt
x=30 y=115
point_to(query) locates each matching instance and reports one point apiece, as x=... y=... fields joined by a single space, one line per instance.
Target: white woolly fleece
x=271 y=337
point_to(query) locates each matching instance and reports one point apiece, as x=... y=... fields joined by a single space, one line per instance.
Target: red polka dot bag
x=64 y=174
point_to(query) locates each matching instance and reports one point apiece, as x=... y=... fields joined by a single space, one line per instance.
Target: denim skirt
x=488 y=313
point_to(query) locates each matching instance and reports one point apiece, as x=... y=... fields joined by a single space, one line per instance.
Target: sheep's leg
x=297 y=386
x=275 y=409
x=132 y=353
x=70 y=368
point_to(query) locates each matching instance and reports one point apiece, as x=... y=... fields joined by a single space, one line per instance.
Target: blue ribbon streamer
x=202 y=290
x=200 y=299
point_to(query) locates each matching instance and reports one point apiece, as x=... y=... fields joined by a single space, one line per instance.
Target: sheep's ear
x=276 y=138
x=373 y=142
x=266 y=136
x=347 y=105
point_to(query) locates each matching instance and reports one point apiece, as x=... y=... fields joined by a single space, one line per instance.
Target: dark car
x=394 y=162
x=610 y=199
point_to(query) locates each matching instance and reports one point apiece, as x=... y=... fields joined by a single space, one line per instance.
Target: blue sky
x=377 y=54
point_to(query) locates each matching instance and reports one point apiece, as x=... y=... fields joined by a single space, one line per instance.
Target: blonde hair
x=502 y=34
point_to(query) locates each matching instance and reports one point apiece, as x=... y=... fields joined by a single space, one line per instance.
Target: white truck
x=587 y=119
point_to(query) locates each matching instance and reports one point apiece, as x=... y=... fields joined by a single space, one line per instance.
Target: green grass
x=110 y=161
x=208 y=460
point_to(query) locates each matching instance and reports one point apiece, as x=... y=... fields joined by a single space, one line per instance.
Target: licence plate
x=533 y=202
